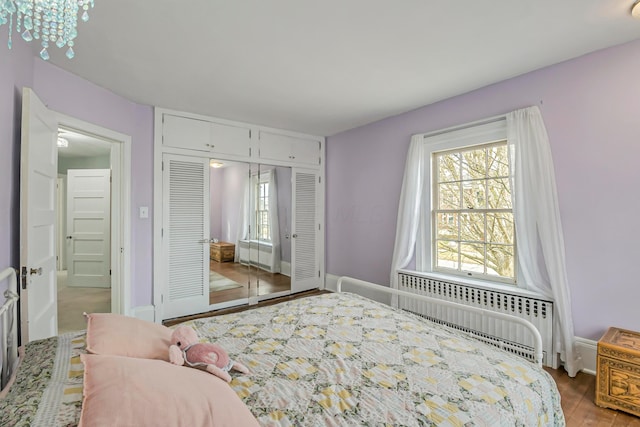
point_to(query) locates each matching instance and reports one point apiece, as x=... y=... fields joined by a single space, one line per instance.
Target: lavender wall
x=590 y=106
x=16 y=72
x=71 y=95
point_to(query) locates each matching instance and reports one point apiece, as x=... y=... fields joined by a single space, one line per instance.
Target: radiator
x=512 y=338
x=255 y=253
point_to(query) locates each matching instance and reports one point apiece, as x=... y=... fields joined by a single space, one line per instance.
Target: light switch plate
x=144 y=212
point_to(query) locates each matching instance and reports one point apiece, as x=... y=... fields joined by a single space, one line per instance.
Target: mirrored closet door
x=250 y=223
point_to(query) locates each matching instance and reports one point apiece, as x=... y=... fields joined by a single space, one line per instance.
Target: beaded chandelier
x=51 y=21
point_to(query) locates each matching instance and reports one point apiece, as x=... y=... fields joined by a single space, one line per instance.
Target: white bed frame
x=9 y=333
x=537 y=339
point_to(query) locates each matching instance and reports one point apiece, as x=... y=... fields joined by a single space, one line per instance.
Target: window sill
x=257 y=242
x=479 y=284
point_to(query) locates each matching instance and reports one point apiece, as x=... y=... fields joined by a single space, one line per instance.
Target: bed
x=336 y=359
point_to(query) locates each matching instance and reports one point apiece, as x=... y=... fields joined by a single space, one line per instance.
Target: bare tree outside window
x=473 y=216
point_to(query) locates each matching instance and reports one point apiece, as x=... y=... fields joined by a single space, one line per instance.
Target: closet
x=225 y=188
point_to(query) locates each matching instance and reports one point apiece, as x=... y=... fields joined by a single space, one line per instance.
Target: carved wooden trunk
x=618 y=371
x=222 y=251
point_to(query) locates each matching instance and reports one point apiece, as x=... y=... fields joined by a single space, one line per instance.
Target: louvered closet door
x=305 y=237
x=185 y=235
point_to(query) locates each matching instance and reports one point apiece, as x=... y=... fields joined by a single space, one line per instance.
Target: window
x=466 y=226
x=472 y=216
x=262 y=227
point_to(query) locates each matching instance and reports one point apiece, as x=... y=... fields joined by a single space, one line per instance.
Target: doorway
x=83 y=240
x=38 y=220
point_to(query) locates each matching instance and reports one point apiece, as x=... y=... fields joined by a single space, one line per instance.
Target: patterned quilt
x=48 y=388
x=343 y=360
x=328 y=360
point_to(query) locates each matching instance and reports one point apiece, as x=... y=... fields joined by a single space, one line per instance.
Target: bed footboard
x=537 y=339
x=9 y=333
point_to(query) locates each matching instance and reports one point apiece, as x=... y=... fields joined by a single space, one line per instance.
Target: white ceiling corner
x=327 y=66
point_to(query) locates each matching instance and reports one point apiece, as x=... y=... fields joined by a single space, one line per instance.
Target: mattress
x=327 y=360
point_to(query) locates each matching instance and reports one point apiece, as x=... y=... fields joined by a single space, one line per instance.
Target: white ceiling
x=81 y=145
x=325 y=66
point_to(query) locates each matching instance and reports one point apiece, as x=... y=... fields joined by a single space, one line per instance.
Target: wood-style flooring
x=577 y=396
x=254 y=281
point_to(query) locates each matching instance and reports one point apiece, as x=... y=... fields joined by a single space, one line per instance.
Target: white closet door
x=305 y=259
x=185 y=235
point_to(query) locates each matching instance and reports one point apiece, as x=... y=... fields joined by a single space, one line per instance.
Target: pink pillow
x=125 y=391
x=118 y=335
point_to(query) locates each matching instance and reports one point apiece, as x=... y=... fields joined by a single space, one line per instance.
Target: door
x=305 y=271
x=89 y=228
x=38 y=174
x=185 y=235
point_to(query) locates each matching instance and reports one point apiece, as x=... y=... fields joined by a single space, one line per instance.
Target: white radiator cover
x=255 y=253
x=513 y=338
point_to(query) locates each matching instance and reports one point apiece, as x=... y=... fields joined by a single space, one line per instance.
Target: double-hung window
x=261 y=203
x=470 y=224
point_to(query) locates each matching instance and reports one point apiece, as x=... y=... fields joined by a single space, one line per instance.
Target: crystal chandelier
x=52 y=21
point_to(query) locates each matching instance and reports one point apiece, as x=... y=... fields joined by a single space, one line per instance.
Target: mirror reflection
x=250 y=222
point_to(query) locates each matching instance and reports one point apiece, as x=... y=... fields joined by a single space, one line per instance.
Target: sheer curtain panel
x=541 y=255
x=409 y=207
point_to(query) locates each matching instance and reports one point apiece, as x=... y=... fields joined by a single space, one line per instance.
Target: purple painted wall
x=66 y=93
x=16 y=72
x=590 y=106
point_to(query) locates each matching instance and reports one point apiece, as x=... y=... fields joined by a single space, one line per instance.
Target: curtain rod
x=484 y=121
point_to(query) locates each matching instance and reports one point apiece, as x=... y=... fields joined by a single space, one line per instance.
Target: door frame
x=120 y=207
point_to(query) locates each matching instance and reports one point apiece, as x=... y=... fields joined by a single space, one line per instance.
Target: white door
x=89 y=228
x=38 y=174
x=185 y=235
x=305 y=261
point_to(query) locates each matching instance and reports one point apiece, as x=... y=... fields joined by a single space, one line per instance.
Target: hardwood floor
x=577 y=396
x=258 y=281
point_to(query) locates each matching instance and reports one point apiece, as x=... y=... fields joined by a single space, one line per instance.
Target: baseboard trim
x=331 y=282
x=588 y=350
x=145 y=312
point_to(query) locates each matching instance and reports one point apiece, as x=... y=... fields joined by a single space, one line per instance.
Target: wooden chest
x=222 y=251
x=618 y=371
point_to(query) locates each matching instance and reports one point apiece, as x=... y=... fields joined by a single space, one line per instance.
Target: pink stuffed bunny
x=186 y=350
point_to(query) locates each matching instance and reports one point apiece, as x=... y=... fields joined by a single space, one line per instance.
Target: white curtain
x=244 y=213
x=274 y=225
x=409 y=207
x=541 y=255
x=538 y=227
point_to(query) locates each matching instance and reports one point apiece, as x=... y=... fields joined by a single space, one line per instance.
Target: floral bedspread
x=328 y=360
x=48 y=387
x=342 y=360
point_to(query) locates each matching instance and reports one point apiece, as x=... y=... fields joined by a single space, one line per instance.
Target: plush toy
x=186 y=350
